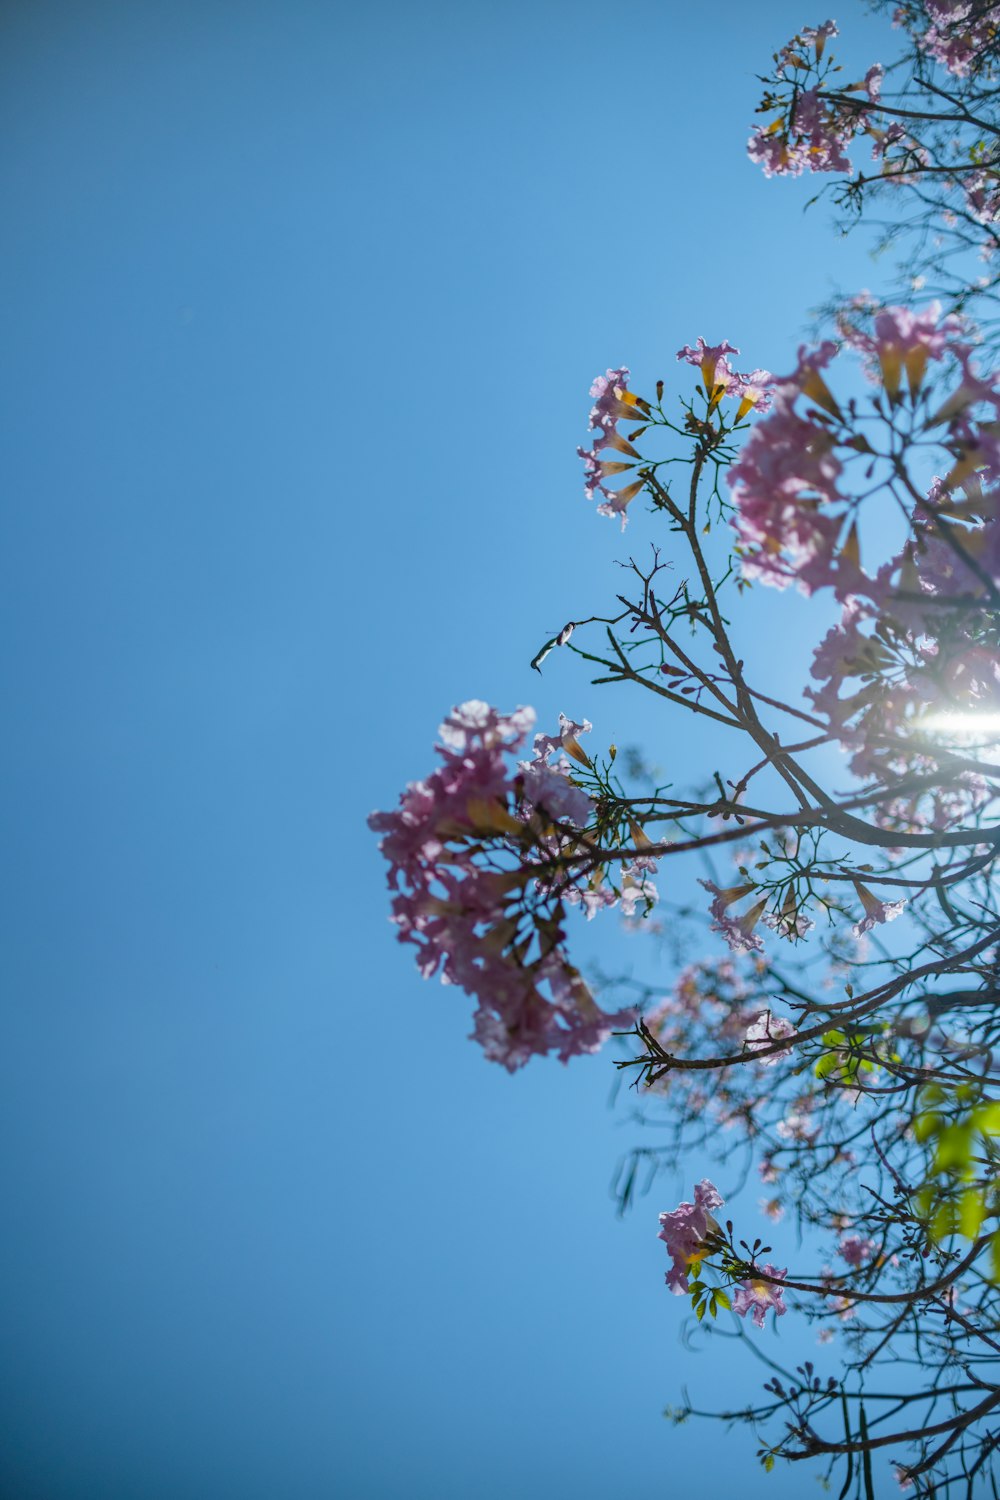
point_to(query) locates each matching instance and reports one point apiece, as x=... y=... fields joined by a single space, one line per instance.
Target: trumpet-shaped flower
x=756 y=1296
x=686 y=1230
x=613 y=403
x=876 y=912
x=737 y=931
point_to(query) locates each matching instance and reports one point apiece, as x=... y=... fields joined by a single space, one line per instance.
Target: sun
x=968 y=728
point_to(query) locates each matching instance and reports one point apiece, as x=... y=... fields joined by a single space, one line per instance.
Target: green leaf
x=971 y=1213
x=954 y=1151
x=987 y=1118
x=924 y=1126
x=924 y=1200
x=944 y=1222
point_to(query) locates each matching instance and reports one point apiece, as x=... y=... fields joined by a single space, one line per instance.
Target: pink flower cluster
x=982 y=195
x=459 y=849
x=856 y=1249
x=810 y=38
x=613 y=402
x=786 y=482
x=707 y=1013
x=751 y=390
x=961 y=32
x=905 y=342
x=790 y=508
x=738 y=931
x=815 y=130
x=685 y=1232
x=546 y=784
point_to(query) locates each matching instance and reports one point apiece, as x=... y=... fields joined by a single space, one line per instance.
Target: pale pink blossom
x=876 y=911
x=607 y=409
x=756 y=1296
x=708 y=358
x=612 y=405
x=904 y=341
x=814 y=131
x=737 y=931
x=568 y=740
x=813 y=38
x=752 y=389
x=765 y=1032
x=549 y=789
x=776 y=155
x=685 y=1231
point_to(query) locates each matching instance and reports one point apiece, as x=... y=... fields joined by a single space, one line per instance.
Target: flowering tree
x=848 y=1039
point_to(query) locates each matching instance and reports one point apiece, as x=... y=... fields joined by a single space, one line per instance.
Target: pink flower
x=785 y=476
x=798 y=1124
x=873 y=82
x=685 y=1231
x=776 y=155
x=755 y=1296
x=549 y=789
x=476 y=724
x=738 y=932
x=855 y=1249
x=767 y=1030
x=814 y=36
x=982 y=196
x=568 y=740
x=515 y=1022
x=876 y=911
x=637 y=892
x=883 y=139
x=905 y=341
x=613 y=403
x=707 y=358
x=754 y=389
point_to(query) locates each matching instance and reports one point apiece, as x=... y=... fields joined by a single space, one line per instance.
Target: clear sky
x=301 y=303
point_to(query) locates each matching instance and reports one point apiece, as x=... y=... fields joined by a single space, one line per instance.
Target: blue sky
x=301 y=306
